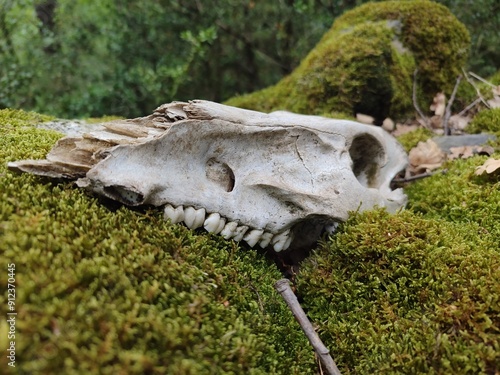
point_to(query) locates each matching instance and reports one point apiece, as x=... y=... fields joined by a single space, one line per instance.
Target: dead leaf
x=438 y=104
x=365 y=119
x=491 y=165
x=403 y=129
x=427 y=156
x=436 y=122
x=459 y=122
x=388 y=124
x=462 y=152
x=495 y=102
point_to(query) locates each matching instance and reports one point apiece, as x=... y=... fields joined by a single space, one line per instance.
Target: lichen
x=365 y=63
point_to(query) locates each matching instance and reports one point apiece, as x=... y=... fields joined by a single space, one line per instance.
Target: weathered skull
x=269 y=179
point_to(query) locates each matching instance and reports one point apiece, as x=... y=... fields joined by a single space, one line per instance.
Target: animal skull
x=275 y=179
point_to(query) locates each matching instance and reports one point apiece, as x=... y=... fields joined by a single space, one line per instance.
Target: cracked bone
x=258 y=175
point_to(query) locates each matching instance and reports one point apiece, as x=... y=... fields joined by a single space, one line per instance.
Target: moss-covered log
x=365 y=63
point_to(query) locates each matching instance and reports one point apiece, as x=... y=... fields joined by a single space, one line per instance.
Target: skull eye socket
x=367 y=156
x=220 y=173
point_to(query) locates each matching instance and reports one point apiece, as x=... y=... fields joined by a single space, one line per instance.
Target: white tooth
x=265 y=239
x=280 y=240
x=331 y=228
x=239 y=233
x=222 y=224
x=229 y=230
x=176 y=215
x=253 y=237
x=212 y=223
x=194 y=218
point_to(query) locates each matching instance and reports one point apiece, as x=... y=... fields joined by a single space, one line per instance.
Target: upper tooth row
x=214 y=223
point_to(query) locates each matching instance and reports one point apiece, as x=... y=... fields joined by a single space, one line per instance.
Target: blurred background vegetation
x=81 y=58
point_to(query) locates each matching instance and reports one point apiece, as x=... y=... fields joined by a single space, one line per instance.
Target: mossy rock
x=365 y=63
x=107 y=290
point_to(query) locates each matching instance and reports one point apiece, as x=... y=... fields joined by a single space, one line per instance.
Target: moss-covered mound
x=102 y=289
x=115 y=291
x=486 y=121
x=417 y=292
x=365 y=63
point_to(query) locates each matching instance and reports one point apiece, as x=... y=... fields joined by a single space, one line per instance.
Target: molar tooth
x=212 y=223
x=253 y=237
x=176 y=215
x=265 y=239
x=239 y=233
x=229 y=230
x=280 y=240
x=331 y=228
x=194 y=218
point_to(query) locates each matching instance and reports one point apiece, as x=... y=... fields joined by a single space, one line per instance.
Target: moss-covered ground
x=108 y=290
x=102 y=289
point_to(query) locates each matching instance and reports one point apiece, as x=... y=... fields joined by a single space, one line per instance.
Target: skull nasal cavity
x=220 y=173
x=367 y=155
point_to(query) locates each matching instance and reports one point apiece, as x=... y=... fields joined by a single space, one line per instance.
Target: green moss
x=116 y=291
x=411 y=139
x=366 y=61
x=403 y=294
x=486 y=121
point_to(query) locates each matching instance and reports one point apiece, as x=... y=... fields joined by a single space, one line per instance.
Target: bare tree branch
x=425 y=120
x=283 y=287
x=477 y=89
x=447 y=112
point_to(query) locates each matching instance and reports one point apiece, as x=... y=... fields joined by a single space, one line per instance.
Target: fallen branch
x=283 y=287
x=471 y=105
x=424 y=118
x=447 y=112
x=417 y=177
x=477 y=88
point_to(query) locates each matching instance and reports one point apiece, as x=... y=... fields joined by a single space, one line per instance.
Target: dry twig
x=477 y=89
x=425 y=120
x=447 y=112
x=283 y=287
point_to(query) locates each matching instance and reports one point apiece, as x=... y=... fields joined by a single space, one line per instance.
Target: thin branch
x=447 y=112
x=283 y=287
x=477 y=89
x=415 y=104
x=417 y=177
x=471 y=105
x=482 y=79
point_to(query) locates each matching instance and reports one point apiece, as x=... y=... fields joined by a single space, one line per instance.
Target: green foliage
x=81 y=58
x=483 y=22
x=366 y=61
x=116 y=291
x=487 y=120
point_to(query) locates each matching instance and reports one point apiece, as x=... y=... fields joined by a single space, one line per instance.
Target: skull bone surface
x=277 y=179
